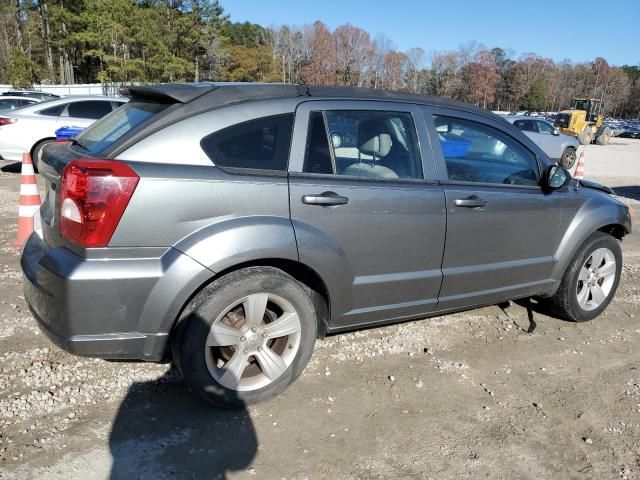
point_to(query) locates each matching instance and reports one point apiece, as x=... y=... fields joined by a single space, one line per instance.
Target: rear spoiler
x=168 y=92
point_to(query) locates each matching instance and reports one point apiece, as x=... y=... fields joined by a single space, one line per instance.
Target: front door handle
x=470 y=202
x=325 y=199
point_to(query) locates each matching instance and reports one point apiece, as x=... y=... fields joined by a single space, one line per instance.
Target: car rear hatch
x=94 y=145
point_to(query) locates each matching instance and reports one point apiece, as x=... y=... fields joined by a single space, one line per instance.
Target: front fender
x=570 y=143
x=586 y=213
x=240 y=240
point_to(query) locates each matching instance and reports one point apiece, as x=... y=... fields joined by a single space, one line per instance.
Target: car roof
x=63 y=101
x=27 y=92
x=218 y=94
x=513 y=118
x=189 y=99
x=23 y=91
x=12 y=97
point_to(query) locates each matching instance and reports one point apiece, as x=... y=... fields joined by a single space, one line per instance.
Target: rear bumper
x=119 y=308
x=123 y=346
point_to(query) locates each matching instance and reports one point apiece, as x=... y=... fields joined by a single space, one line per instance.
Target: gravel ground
x=467 y=395
x=616 y=165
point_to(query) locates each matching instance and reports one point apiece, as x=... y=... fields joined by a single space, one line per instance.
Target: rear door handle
x=325 y=199
x=470 y=202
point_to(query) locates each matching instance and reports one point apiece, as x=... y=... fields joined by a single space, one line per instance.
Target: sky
x=568 y=29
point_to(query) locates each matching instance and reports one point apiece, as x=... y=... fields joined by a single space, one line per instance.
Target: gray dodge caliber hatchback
x=229 y=226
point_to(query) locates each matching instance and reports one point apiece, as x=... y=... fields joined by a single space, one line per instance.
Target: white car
x=8 y=103
x=558 y=146
x=29 y=129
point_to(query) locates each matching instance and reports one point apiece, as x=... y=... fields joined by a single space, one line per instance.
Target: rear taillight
x=7 y=121
x=95 y=194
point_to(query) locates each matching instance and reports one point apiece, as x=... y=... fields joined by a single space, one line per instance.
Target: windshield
x=105 y=132
x=580 y=105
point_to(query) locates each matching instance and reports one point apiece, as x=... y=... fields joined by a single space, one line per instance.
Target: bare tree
x=395 y=64
x=321 y=68
x=353 y=47
x=415 y=58
x=482 y=78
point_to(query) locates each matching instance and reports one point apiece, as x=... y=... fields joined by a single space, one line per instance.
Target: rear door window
x=111 y=128
x=92 y=109
x=363 y=143
x=261 y=144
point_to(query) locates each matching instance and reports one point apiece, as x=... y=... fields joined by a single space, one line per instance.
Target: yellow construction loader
x=584 y=120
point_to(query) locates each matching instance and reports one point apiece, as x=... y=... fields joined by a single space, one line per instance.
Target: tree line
x=126 y=41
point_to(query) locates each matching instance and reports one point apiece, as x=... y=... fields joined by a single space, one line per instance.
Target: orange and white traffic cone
x=29 y=201
x=579 y=173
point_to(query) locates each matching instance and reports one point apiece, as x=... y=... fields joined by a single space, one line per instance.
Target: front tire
x=591 y=279
x=586 y=136
x=604 y=138
x=246 y=337
x=568 y=159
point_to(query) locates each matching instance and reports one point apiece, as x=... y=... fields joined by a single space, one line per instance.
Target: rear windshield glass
x=105 y=132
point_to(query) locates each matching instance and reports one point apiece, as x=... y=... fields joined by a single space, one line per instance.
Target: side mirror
x=556 y=132
x=556 y=177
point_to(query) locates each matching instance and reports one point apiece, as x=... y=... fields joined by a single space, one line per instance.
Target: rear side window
x=261 y=144
x=105 y=132
x=91 y=110
x=53 y=111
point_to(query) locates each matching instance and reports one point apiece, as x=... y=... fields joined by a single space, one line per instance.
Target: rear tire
x=36 y=156
x=245 y=337
x=584 y=295
x=604 y=138
x=568 y=159
x=586 y=136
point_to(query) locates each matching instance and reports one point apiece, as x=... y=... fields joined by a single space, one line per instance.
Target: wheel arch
x=301 y=272
x=40 y=142
x=616 y=230
x=606 y=217
x=35 y=146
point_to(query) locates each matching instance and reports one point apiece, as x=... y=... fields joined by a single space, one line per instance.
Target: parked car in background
x=43 y=96
x=227 y=227
x=29 y=129
x=630 y=132
x=9 y=103
x=559 y=147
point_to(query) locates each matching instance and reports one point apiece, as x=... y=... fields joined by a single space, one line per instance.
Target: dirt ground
x=469 y=395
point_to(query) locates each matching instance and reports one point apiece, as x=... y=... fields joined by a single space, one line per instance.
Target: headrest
x=373 y=138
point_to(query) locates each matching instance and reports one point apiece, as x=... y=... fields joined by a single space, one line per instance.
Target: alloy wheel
x=596 y=279
x=569 y=159
x=253 y=342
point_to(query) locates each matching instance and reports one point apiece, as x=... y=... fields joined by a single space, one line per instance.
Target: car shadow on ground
x=15 y=167
x=629 y=191
x=163 y=431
